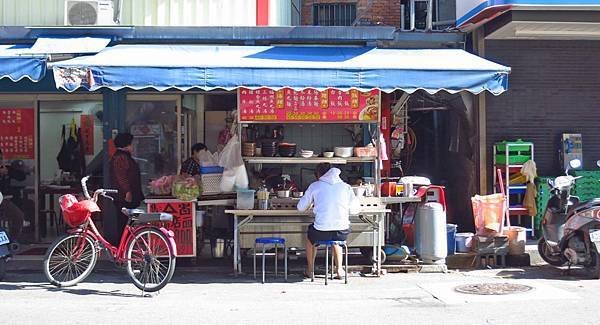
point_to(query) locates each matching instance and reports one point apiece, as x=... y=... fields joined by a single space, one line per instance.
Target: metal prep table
x=399 y=200
x=372 y=216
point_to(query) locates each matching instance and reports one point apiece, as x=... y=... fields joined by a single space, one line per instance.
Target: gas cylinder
x=431 y=241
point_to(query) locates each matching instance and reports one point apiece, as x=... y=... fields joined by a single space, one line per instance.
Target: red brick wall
x=383 y=12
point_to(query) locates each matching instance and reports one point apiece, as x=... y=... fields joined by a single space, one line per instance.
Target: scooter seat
x=587 y=204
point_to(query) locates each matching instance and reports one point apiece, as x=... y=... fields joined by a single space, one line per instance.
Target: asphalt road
x=205 y=297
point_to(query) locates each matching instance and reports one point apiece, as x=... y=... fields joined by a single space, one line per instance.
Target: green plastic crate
x=512 y=159
x=587 y=187
x=518 y=145
x=541 y=200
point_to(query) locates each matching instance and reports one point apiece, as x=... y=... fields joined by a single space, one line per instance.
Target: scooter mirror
x=575 y=163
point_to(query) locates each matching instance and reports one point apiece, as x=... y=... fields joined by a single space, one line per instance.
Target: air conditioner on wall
x=89 y=13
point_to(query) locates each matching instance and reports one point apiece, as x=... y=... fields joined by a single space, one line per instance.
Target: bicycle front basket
x=76 y=213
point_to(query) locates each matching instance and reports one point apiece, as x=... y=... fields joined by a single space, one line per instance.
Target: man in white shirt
x=333 y=202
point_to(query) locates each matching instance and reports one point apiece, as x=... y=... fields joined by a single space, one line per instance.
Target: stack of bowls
x=306 y=153
x=248 y=149
x=287 y=149
x=269 y=148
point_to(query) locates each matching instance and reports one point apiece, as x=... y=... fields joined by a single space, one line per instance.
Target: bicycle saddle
x=153 y=217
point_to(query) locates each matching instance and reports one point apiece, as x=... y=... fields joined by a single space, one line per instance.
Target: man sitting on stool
x=333 y=201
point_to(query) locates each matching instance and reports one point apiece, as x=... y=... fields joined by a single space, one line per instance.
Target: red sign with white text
x=309 y=105
x=183 y=225
x=17 y=133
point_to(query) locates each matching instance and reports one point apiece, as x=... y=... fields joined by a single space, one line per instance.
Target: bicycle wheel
x=70 y=259
x=150 y=260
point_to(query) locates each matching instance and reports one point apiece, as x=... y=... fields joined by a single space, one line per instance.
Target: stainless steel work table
x=399 y=200
x=372 y=215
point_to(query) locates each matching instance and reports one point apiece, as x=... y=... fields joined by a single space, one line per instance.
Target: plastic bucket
x=517 y=238
x=451 y=232
x=245 y=199
x=489 y=214
x=464 y=242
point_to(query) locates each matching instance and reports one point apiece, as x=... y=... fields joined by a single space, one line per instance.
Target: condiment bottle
x=262 y=195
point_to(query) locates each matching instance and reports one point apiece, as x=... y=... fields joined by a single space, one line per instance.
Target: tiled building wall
x=553 y=89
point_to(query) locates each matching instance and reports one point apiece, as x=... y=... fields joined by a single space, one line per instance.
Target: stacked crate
x=543 y=196
x=588 y=186
x=509 y=157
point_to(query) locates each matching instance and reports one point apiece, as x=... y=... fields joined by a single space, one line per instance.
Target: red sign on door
x=183 y=225
x=87 y=133
x=17 y=133
x=309 y=105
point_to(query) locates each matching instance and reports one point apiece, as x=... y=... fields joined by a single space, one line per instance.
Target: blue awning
x=16 y=65
x=184 y=67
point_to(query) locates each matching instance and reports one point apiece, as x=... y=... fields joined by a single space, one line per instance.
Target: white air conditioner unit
x=89 y=13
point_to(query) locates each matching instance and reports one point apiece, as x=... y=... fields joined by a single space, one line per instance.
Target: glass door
x=156 y=124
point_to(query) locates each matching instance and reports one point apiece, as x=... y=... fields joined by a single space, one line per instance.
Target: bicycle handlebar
x=84 y=187
x=100 y=191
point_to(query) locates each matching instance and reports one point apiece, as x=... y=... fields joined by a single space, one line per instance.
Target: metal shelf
x=315 y=160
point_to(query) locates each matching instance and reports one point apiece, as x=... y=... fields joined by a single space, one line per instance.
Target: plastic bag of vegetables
x=186 y=188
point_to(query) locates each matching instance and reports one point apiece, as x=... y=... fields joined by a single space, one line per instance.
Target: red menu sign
x=183 y=225
x=309 y=105
x=17 y=133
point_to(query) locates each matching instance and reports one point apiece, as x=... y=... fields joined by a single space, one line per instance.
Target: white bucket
x=517 y=237
x=464 y=242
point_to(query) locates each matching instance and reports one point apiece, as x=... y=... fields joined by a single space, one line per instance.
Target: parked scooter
x=571 y=229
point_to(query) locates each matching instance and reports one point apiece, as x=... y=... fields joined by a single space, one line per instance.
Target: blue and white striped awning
x=16 y=64
x=185 y=67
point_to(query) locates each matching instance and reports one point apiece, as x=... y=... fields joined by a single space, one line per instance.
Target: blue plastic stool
x=329 y=244
x=264 y=241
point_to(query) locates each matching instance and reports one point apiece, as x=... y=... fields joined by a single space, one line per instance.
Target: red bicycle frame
x=118 y=253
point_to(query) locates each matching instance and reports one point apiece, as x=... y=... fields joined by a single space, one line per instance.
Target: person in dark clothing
x=8 y=210
x=125 y=177
x=191 y=167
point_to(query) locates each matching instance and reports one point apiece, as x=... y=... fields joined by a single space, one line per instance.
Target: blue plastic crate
x=211 y=170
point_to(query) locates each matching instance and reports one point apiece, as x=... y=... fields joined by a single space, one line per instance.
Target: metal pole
x=429 y=15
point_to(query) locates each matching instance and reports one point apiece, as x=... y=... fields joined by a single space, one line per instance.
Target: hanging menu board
x=309 y=105
x=17 y=133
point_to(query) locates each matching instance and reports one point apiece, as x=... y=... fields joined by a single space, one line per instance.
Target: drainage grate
x=493 y=289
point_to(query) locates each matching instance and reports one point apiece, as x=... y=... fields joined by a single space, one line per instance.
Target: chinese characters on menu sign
x=183 y=225
x=309 y=105
x=17 y=133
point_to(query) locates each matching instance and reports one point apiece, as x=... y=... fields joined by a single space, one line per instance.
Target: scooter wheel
x=548 y=256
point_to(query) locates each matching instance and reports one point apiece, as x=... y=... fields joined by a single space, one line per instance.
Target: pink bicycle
x=147 y=252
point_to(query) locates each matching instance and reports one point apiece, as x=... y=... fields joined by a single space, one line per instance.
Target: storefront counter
x=367 y=230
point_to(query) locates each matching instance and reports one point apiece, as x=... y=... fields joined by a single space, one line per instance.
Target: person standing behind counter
x=333 y=202
x=191 y=167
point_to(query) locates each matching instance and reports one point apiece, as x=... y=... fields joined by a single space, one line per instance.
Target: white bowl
x=343 y=152
x=328 y=154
